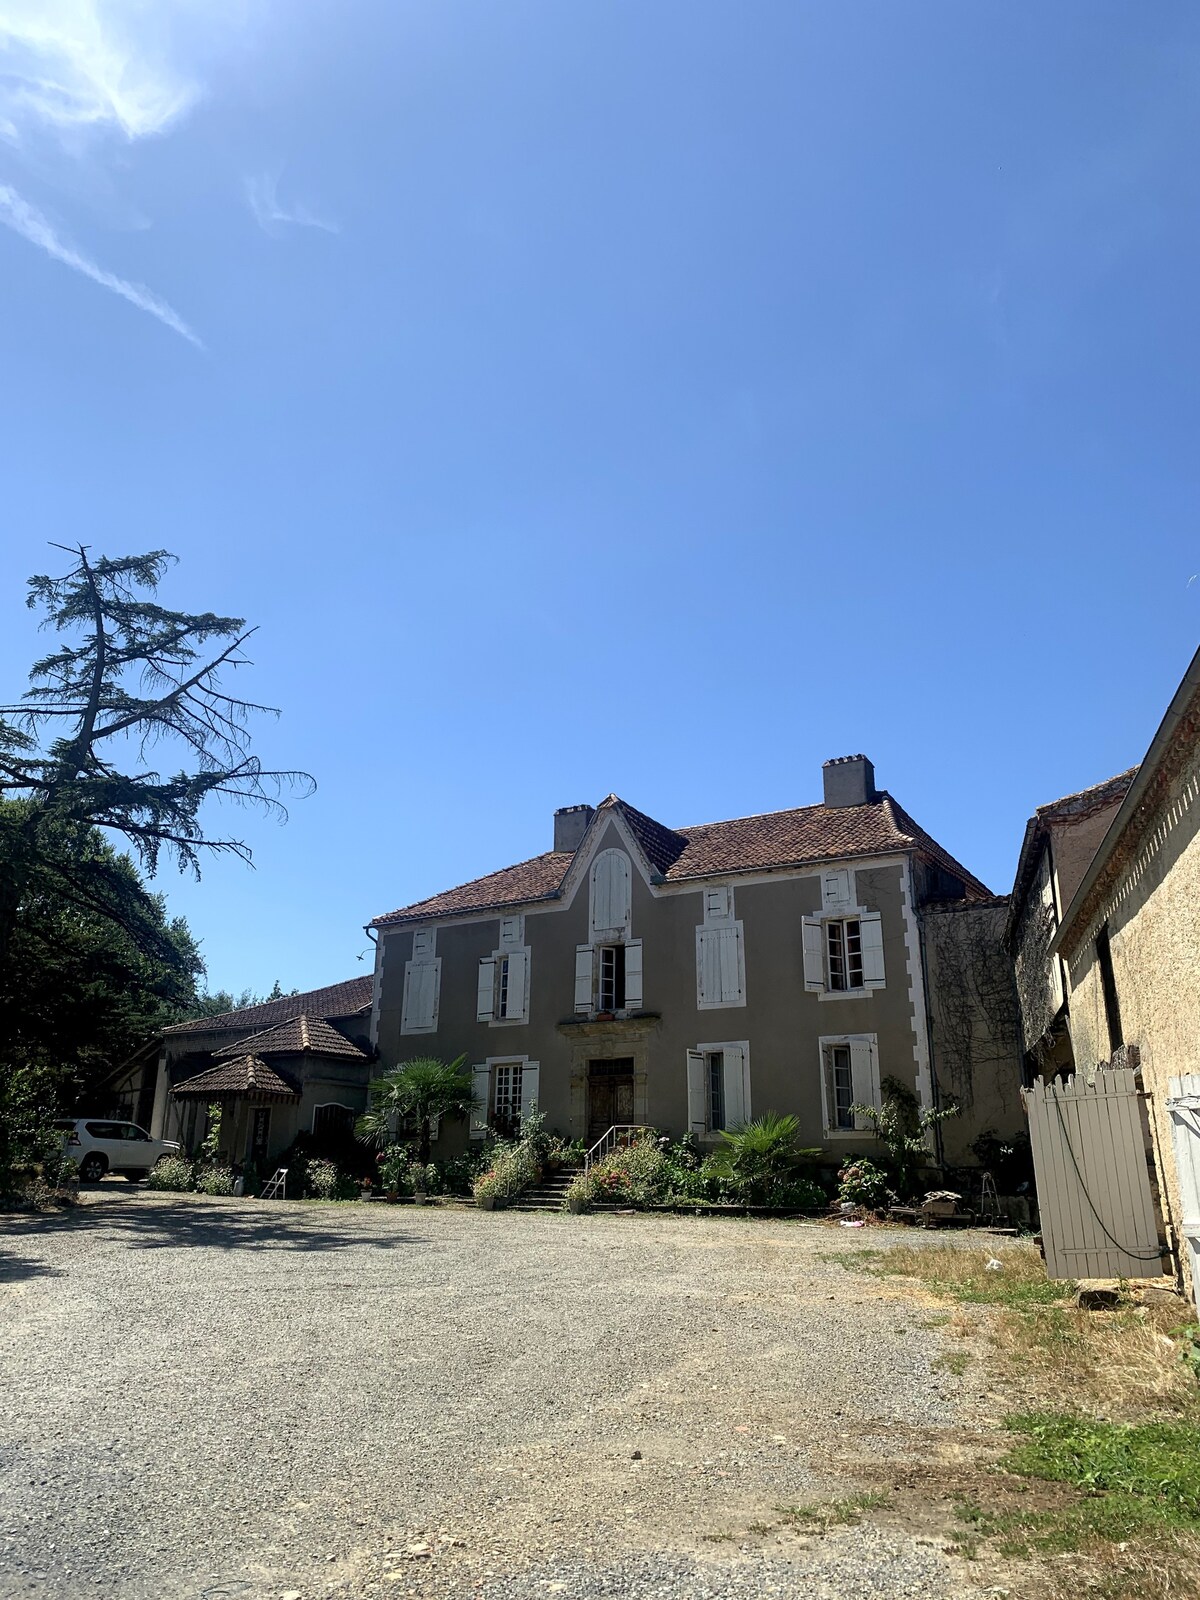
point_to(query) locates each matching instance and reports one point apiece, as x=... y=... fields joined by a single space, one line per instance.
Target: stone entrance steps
x=549 y=1195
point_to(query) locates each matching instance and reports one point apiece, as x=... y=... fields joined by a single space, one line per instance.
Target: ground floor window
x=714 y=1072
x=841 y=1078
x=506 y=1099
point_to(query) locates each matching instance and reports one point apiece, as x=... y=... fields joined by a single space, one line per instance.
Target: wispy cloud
x=17 y=214
x=68 y=67
x=262 y=195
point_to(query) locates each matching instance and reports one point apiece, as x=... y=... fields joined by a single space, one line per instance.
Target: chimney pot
x=849 y=781
x=570 y=825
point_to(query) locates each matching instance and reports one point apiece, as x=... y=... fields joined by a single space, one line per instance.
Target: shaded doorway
x=610 y=1096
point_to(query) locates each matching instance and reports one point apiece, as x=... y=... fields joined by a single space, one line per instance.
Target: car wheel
x=135 y=1177
x=92 y=1168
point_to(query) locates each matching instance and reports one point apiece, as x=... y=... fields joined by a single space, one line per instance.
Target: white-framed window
x=503 y=990
x=608 y=978
x=843 y=955
x=422 y=984
x=718 y=1085
x=506 y=1092
x=720 y=953
x=849 y=1077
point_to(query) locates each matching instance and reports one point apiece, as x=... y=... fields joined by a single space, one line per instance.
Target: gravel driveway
x=231 y=1398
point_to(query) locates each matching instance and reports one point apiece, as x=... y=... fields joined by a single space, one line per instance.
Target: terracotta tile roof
x=337 y=1000
x=806 y=835
x=1088 y=800
x=1068 y=809
x=246 y=1078
x=295 y=1037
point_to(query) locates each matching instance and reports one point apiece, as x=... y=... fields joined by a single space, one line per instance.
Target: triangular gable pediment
x=608 y=828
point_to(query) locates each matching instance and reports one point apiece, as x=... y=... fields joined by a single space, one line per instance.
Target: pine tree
x=75 y=748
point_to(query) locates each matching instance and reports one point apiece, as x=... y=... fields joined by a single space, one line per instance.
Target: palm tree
x=420 y=1090
x=763 y=1156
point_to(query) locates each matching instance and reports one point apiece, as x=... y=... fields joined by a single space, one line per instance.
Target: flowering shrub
x=172 y=1172
x=215 y=1180
x=324 y=1180
x=513 y=1170
x=862 y=1183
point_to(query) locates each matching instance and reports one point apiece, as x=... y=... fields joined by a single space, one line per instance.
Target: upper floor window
x=503 y=990
x=843 y=955
x=843 y=948
x=608 y=977
x=720 y=953
x=422 y=984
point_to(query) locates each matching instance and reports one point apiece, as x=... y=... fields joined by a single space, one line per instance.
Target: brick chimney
x=849 y=781
x=570 y=825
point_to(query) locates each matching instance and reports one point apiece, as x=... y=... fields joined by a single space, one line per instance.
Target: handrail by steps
x=618 y=1134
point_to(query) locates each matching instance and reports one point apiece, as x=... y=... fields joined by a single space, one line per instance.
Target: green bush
x=324 y=1181
x=512 y=1171
x=215 y=1180
x=172 y=1172
x=636 y=1174
x=862 y=1183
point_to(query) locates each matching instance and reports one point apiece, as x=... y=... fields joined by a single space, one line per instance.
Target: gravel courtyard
x=217 y=1398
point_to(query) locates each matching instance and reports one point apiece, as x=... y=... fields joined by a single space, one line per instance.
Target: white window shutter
x=485 y=1003
x=511 y=933
x=709 y=973
x=518 y=982
x=716 y=904
x=633 y=975
x=735 y=1086
x=864 y=1075
x=814 y=954
x=406 y=1012
x=423 y=943
x=871 y=932
x=481 y=1079
x=697 y=1094
x=530 y=1073
x=837 y=887
x=610 y=893
x=584 y=960
x=731 y=965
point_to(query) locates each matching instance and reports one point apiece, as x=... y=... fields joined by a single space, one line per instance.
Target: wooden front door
x=610 y=1096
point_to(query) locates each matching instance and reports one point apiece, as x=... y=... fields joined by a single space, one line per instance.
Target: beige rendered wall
x=1153 y=919
x=781 y=1020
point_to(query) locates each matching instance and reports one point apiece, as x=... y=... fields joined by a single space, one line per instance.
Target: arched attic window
x=610 y=899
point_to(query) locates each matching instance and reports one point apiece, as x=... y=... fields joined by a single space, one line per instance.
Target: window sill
x=848 y=994
x=508 y=1022
x=849 y=1133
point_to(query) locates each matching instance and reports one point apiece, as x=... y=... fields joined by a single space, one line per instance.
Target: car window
x=130 y=1130
x=65 y=1123
x=104 y=1130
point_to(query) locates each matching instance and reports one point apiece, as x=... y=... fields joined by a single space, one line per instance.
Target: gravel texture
x=234 y=1398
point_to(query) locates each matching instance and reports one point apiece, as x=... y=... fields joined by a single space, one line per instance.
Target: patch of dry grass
x=1123 y=1362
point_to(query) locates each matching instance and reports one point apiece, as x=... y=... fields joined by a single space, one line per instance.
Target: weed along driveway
x=219 y=1398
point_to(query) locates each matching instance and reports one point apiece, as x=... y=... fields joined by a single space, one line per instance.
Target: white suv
x=99 y=1146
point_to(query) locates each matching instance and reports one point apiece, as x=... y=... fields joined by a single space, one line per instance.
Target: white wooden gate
x=1183 y=1104
x=1091 y=1158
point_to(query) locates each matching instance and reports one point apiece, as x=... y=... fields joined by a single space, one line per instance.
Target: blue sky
x=650 y=397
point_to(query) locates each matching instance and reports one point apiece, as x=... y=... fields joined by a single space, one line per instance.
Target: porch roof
x=248 y=1078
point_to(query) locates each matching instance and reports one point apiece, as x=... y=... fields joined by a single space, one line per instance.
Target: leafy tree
x=130 y=675
x=901 y=1128
x=78 y=993
x=216 y=1005
x=417 y=1091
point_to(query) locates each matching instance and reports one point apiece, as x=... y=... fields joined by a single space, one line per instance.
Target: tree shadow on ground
x=15 y=1269
x=232 y=1225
